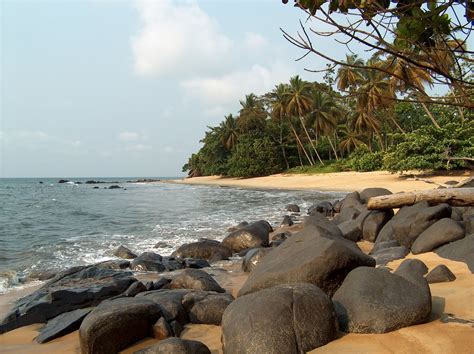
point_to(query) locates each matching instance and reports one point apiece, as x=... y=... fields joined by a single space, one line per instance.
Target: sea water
x=50 y=226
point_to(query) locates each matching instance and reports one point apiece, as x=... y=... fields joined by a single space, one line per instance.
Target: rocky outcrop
x=195 y=279
x=206 y=249
x=291 y=318
x=206 y=307
x=318 y=255
x=72 y=289
x=114 y=325
x=440 y=233
x=253 y=235
x=61 y=325
x=176 y=346
x=411 y=221
x=373 y=300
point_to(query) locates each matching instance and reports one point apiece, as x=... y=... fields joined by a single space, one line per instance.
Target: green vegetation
x=367 y=114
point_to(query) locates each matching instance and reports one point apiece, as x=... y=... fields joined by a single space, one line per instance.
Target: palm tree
x=410 y=77
x=324 y=116
x=278 y=101
x=350 y=138
x=299 y=104
x=229 y=132
x=349 y=76
x=252 y=115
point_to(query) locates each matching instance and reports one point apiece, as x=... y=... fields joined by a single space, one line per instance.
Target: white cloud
x=255 y=41
x=35 y=139
x=137 y=147
x=177 y=38
x=128 y=136
x=218 y=91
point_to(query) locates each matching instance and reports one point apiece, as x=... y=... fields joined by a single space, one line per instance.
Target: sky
x=128 y=88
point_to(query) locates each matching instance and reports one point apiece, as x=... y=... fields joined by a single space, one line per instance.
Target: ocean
x=48 y=226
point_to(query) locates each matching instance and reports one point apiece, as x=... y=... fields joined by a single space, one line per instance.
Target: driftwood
x=452 y=196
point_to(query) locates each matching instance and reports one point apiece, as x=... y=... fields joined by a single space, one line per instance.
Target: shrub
x=363 y=160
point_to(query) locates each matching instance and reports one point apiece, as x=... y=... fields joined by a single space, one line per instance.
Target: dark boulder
x=115 y=186
x=170 y=303
x=63 y=181
x=134 y=289
x=293 y=208
x=287 y=221
x=115 y=325
x=253 y=235
x=206 y=307
x=317 y=255
x=374 y=222
x=413 y=270
x=176 y=346
x=350 y=230
x=346 y=214
x=206 y=249
x=411 y=221
x=195 y=279
x=177 y=328
x=461 y=250
x=383 y=245
x=252 y=258
x=386 y=255
x=290 y=318
x=244 y=252
x=351 y=200
x=61 y=325
x=148 y=261
x=124 y=252
x=368 y=193
x=72 y=289
x=325 y=208
x=196 y=263
x=373 y=300
x=440 y=274
x=162 y=283
x=441 y=232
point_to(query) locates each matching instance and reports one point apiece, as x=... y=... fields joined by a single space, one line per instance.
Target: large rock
x=411 y=221
x=374 y=222
x=195 y=279
x=148 y=261
x=124 y=252
x=318 y=255
x=291 y=318
x=115 y=325
x=441 y=232
x=368 y=193
x=373 y=300
x=253 y=235
x=386 y=255
x=440 y=274
x=346 y=214
x=252 y=258
x=351 y=200
x=170 y=303
x=206 y=307
x=206 y=249
x=461 y=250
x=325 y=208
x=72 y=289
x=61 y=325
x=176 y=346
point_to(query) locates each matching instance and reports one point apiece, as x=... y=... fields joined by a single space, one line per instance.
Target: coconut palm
x=229 y=132
x=299 y=104
x=349 y=76
x=252 y=115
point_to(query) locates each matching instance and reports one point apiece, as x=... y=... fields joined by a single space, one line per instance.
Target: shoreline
x=330 y=182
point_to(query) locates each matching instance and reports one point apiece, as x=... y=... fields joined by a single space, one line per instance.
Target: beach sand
x=340 y=181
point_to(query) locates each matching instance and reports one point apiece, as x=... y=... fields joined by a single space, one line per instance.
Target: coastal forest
x=379 y=113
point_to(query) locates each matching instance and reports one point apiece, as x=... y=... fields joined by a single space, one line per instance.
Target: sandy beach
x=340 y=181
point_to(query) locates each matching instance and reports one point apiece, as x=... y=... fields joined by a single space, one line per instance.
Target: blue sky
x=127 y=88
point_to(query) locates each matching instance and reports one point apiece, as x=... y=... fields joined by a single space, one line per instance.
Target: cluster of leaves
x=364 y=160
x=430 y=148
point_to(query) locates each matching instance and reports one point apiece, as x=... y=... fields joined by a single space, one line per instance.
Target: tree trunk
x=301 y=144
x=310 y=141
x=427 y=111
x=452 y=196
x=392 y=118
x=283 y=152
x=333 y=148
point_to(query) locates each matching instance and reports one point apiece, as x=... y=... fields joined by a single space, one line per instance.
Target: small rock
x=440 y=274
x=196 y=263
x=148 y=261
x=124 y=252
x=287 y=221
x=293 y=208
x=162 y=330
